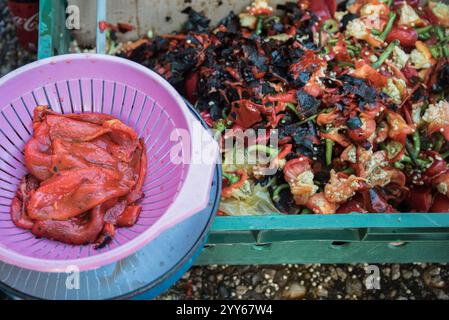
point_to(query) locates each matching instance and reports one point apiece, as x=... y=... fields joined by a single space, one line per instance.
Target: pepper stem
x=416 y=143
x=263 y=148
x=389 y=26
x=329 y=147
x=278 y=190
x=232 y=178
x=384 y=56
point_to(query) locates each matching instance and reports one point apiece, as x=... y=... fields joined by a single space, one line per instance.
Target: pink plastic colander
x=79 y=83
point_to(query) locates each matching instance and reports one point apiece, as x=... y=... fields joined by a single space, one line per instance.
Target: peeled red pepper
x=140 y=167
x=18 y=207
x=70 y=193
x=129 y=216
x=81 y=166
x=122 y=214
x=76 y=231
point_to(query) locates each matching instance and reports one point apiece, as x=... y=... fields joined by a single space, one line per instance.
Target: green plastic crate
x=343 y=238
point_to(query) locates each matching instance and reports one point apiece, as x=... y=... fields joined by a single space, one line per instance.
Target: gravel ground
x=314 y=281
x=407 y=281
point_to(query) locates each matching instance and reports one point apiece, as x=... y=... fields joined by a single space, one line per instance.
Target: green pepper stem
x=349 y=170
x=392 y=17
x=416 y=143
x=308 y=119
x=393 y=148
x=224 y=112
x=259 y=26
x=411 y=152
x=376 y=32
x=232 y=178
x=445 y=50
x=436 y=51
x=329 y=147
x=292 y=107
x=384 y=56
x=440 y=33
x=330 y=26
x=263 y=148
x=409 y=160
x=345 y=64
x=352 y=47
x=278 y=190
x=424 y=36
x=439 y=143
x=424 y=30
x=399 y=165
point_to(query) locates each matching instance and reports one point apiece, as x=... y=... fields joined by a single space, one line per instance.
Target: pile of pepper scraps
x=357 y=92
x=86 y=173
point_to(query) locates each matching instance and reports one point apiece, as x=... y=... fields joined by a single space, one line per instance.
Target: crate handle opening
x=261 y=247
x=397 y=245
x=339 y=244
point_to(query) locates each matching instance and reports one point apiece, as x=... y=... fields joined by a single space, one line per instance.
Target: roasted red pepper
x=76 y=231
x=407 y=36
x=367 y=72
x=323 y=9
x=190 y=86
x=440 y=204
x=420 y=199
x=438 y=166
x=80 y=165
x=375 y=202
x=245 y=113
x=207 y=118
x=124 y=27
x=365 y=131
x=295 y=167
x=122 y=214
x=18 y=207
x=102 y=25
x=229 y=187
x=320 y=205
x=399 y=129
x=287 y=97
x=353 y=205
x=71 y=192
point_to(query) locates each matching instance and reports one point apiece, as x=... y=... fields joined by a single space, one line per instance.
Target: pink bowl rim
x=128 y=248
